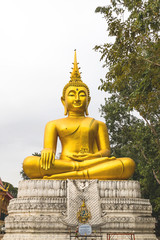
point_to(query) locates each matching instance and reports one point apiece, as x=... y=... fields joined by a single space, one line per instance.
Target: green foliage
x=131 y=137
x=36 y=154
x=134 y=57
x=133 y=63
x=22 y=173
x=13 y=190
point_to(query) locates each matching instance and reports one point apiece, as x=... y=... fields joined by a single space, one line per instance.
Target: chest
x=76 y=129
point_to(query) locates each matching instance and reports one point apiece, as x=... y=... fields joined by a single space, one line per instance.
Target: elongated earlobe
x=65 y=108
x=87 y=111
x=65 y=111
x=89 y=99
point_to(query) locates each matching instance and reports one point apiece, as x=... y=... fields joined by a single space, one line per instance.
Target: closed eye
x=71 y=94
x=82 y=94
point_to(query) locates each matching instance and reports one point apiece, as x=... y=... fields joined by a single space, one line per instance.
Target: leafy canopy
x=131 y=137
x=133 y=63
x=133 y=59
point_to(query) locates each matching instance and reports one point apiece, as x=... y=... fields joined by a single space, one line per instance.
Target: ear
x=89 y=99
x=63 y=101
x=87 y=111
x=65 y=108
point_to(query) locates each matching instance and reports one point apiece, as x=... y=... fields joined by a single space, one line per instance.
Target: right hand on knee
x=47 y=158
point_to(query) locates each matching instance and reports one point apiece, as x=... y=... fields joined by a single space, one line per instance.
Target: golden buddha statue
x=85 y=142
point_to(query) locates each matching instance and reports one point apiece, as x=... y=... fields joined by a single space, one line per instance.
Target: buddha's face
x=76 y=99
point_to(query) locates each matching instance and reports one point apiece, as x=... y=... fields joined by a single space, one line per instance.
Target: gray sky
x=37 y=42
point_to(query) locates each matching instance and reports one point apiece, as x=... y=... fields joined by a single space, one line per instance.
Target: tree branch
x=155 y=176
x=153 y=131
x=147 y=60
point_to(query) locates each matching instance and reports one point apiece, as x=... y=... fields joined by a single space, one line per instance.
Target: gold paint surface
x=85 y=142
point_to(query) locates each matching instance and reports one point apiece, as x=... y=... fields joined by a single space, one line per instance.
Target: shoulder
x=56 y=123
x=99 y=123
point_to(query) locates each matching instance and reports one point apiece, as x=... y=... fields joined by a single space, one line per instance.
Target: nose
x=77 y=97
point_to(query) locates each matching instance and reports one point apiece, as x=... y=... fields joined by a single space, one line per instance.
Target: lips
x=77 y=103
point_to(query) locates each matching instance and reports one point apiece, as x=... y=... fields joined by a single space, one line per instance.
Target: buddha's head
x=76 y=95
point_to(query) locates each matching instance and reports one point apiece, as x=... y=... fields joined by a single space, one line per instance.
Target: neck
x=76 y=114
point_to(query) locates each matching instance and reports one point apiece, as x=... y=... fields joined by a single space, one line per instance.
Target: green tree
x=133 y=63
x=131 y=137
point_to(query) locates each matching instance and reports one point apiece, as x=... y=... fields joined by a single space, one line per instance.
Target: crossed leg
x=101 y=168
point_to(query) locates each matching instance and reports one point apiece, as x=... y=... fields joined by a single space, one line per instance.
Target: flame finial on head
x=75 y=78
x=75 y=74
x=75 y=81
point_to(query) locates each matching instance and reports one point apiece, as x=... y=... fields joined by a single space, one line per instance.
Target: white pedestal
x=47 y=209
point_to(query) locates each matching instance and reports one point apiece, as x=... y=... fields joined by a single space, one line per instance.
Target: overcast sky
x=37 y=42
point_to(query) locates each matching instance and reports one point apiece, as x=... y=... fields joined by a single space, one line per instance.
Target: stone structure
x=48 y=209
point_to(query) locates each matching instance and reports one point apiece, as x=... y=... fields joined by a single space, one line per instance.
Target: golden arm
x=103 y=140
x=50 y=144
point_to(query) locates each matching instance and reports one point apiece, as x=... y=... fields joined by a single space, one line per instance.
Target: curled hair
x=75 y=84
